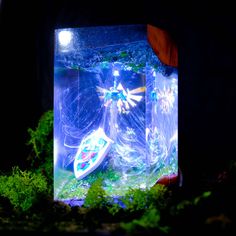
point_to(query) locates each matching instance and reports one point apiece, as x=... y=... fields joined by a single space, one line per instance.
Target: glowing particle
x=116 y=73
x=65 y=37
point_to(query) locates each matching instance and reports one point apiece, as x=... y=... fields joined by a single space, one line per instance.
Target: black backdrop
x=205 y=35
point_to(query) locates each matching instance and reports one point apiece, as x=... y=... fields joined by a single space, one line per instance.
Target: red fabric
x=169 y=179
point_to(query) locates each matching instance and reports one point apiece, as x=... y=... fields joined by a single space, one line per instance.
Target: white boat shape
x=91 y=153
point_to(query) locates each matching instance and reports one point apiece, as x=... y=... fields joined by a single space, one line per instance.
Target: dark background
x=205 y=35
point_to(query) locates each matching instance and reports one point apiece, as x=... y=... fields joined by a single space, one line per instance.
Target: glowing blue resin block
x=115 y=111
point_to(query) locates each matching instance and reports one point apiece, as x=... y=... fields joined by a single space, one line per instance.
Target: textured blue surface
x=136 y=109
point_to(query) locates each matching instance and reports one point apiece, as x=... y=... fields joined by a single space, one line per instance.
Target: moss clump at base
x=23 y=188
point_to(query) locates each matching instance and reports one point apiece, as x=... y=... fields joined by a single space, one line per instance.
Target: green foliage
x=150 y=220
x=150 y=201
x=112 y=175
x=22 y=188
x=46 y=168
x=41 y=137
x=198 y=199
x=185 y=204
x=72 y=189
x=158 y=196
x=108 y=174
x=93 y=177
x=96 y=196
x=114 y=208
x=141 y=199
x=42 y=143
x=206 y=194
x=135 y=200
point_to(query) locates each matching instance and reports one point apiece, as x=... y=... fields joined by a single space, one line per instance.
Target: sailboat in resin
x=92 y=151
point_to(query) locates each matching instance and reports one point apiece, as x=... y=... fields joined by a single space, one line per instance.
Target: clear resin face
x=115 y=111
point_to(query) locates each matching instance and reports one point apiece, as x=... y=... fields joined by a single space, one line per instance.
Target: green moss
x=150 y=202
x=60 y=176
x=96 y=196
x=78 y=189
x=114 y=208
x=66 y=186
x=135 y=199
x=150 y=220
x=41 y=141
x=141 y=199
x=73 y=190
x=186 y=204
x=22 y=188
x=112 y=175
x=90 y=179
x=41 y=137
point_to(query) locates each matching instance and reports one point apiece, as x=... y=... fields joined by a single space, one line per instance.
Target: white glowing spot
x=65 y=37
x=154 y=73
x=166 y=100
x=143 y=186
x=116 y=73
x=129 y=68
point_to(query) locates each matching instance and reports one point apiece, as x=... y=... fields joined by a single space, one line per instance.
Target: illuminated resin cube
x=115 y=111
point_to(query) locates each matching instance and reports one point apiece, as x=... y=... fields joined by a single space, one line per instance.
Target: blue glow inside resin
x=115 y=111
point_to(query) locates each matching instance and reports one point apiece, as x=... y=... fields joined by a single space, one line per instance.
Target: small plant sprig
x=22 y=188
x=150 y=202
x=142 y=199
x=149 y=220
x=41 y=140
x=41 y=137
x=96 y=196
